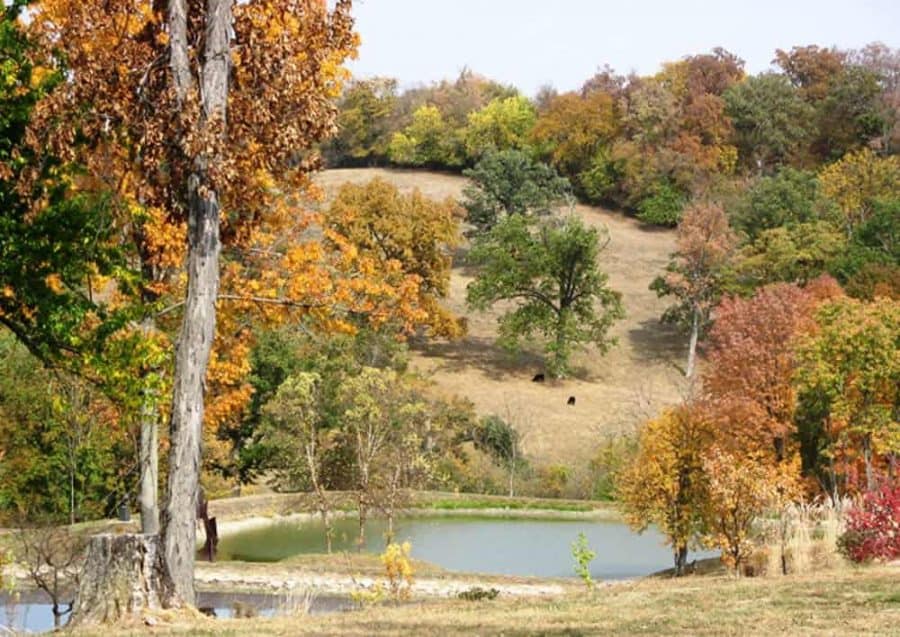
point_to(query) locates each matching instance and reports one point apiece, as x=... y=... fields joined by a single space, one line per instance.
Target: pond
x=31 y=611
x=488 y=545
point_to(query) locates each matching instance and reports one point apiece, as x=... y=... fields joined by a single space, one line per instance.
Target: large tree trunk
x=194 y=345
x=123 y=577
x=199 y=324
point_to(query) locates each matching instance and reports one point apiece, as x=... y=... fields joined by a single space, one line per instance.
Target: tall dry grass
x=801 y=538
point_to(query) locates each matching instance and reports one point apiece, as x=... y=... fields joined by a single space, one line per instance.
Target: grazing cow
x=571 y=400
x=538 y=378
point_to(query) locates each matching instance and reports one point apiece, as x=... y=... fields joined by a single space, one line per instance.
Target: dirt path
x=272 y=578
x=613 y=392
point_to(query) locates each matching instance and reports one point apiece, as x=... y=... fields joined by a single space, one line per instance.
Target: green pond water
x=499 y=546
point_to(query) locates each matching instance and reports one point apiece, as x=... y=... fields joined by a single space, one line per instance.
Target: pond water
x=32 y=612
x=489 y=545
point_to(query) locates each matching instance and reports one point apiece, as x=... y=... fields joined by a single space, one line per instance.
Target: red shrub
x=873 y=527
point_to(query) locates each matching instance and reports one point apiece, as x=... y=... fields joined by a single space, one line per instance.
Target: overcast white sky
x=529 y=43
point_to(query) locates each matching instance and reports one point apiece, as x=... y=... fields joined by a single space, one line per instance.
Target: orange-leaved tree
x=752 y=362
x=200 y=119
x=741 y=487
x=694 y=276
x=406 y=232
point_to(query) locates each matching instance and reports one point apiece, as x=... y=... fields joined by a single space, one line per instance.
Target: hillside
x=613 y=392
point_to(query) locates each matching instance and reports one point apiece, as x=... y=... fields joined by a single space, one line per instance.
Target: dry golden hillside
x=613 y=392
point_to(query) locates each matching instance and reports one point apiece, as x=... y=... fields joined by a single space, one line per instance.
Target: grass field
x=864 y=601
x=613 y=392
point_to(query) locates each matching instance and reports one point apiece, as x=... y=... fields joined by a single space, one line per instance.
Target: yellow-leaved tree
x=665 y=485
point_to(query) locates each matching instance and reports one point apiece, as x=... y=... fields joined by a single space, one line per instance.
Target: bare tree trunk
x=149 y=451
x=194 y=345
x=867 y=457
x=391 y=508
x=313 y=466
x=512 y=467
x=692 y=348
x=199 y=323
x=326 y=520
x=149 y=444
x=363 y=511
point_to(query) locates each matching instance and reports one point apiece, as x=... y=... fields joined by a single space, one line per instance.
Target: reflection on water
x=31 y=611
x=476 y=544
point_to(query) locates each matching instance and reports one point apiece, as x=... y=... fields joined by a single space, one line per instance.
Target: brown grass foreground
x=864 y=601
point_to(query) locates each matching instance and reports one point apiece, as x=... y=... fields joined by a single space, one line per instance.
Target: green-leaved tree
x=549 y=270
x=508 y=183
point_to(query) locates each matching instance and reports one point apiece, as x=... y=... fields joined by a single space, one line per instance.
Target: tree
x=66 y=455
x=857 y=182
x=850 y=365
x=792 y=254
x=677 y=133
x=182 y=89
x=851 y=115
x=772 y=123
x=504 y=124
x=296 y=427
x=428 y=141
x=884 y=63
x=663 y=205
x=383 y=420
x=574 y=128
x=500 y=439
x=550 y=270
x=740 y=487
x=665 y=484
x=366 y=112
x=752 y=364
x=509 y=183
x=786 y=198
x=696 y=272
x=411 y=233
x=52 y=557
x=812 y=69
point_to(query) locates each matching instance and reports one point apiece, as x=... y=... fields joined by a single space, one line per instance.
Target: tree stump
x=123 y=577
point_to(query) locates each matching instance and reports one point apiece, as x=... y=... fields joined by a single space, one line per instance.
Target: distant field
x=613 y=392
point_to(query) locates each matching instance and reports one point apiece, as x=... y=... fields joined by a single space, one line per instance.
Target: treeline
x=640 y=142
x=802 y=158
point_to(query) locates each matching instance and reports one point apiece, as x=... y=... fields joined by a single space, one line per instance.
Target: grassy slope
x=613 y=392
x=852 y=602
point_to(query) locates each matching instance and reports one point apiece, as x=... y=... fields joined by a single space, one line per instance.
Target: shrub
x=873 y=527
x=663 y=207
x=399 y=570
x=477 y=594
x=553 y=480
x=583 y=556
x=612 y=455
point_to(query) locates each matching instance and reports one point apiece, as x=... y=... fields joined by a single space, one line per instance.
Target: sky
x=530 y=43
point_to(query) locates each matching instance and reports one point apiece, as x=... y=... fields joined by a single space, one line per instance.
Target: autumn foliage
x=798 y=395
x=873 y=527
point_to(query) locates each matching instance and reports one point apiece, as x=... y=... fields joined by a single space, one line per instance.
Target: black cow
x=538 y=378
x=571 y=400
